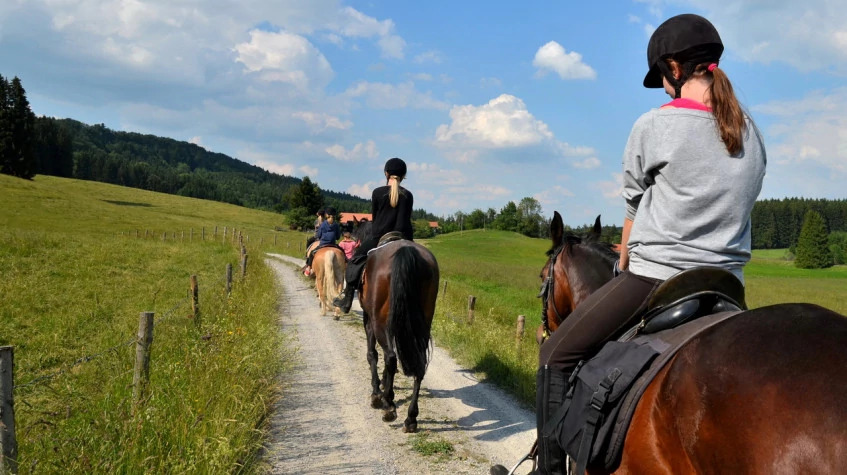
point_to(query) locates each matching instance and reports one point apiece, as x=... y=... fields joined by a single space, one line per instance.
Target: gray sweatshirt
x=690 y=201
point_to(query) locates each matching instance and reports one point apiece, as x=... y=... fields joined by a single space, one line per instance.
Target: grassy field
x=75 y=279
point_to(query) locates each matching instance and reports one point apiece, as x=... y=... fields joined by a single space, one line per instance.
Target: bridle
x=546 y=293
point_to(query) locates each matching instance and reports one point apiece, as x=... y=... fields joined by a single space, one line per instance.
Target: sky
x=486 y=101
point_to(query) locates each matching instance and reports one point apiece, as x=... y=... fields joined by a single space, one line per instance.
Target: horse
x=398 y=293
x=762 y=392
x=328 y=269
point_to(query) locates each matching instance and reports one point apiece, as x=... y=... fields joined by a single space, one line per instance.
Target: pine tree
x=22 y=130
x=5 y=129
x=812 y=251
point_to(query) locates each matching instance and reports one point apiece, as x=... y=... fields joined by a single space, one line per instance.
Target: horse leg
x=373 y=360
x=389 y=409
x=410 y=425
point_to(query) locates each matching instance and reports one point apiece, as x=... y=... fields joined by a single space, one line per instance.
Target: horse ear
x=557 y=229
x=598 y=230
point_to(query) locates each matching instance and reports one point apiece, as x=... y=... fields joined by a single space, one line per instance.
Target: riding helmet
x=686 y=38
x=330 y=211
x=395 y=167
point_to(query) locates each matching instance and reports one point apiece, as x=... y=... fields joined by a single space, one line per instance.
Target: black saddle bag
x=583 y=425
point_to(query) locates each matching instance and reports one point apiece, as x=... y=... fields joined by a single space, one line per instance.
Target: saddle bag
x=583 y=424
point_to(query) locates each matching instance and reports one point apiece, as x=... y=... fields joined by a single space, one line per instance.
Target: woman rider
x=692 y=171
x=391 y=210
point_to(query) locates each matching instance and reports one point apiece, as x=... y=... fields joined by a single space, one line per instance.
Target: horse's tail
x=331 y=267
x=406 y=318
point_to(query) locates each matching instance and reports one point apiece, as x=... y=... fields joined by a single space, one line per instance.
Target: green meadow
x=78 y=270
x=75 y=279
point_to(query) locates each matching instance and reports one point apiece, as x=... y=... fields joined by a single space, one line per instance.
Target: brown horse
x=761 y=393
x=398 y=294
x=328 y=268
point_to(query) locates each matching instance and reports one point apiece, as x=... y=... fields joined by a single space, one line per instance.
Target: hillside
x=67 y=147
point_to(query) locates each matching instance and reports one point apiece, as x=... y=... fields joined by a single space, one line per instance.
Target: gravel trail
x=324 y=422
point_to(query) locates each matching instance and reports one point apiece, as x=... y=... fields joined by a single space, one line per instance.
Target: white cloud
x=503 y=122
x=364 y=191
x=196 y=140
x=394 y=96
x=588 y=163
x=434 y=174
x=502 y=127
x=358 y=152
x=812 y=129
x=552 y=197
x=553 y=57
x=282 y=169
x=611 y=189
x=428 y=57
x=284 y=57
x=308 y=171
x=320 y=122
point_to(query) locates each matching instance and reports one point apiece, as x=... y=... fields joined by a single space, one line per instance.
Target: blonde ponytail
x=394 y=194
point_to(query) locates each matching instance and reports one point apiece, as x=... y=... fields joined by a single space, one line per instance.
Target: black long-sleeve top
x=386 y=218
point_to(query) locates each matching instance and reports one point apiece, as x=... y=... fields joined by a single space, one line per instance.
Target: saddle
x=605 y=389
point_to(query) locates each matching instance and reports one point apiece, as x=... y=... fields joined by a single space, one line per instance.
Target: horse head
x=361 y=228
x=576 y=266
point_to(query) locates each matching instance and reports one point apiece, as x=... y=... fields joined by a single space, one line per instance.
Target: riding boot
x=551 y=387
x=354 y=273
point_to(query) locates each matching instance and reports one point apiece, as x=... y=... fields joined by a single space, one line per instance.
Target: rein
x=546 y=293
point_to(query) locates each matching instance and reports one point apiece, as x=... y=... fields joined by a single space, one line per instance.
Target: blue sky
x=486 y=101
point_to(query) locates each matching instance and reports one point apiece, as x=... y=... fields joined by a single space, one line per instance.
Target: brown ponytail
x=727 y=110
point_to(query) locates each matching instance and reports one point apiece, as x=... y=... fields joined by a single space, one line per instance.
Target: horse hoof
x=335 y=317
x=410 y=428
x=498 y=470
x=376 y=402
x=389 y=416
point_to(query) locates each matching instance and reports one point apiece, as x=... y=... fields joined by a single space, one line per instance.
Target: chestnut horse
x=399 y=288
x=763 y=392
x=328 y=267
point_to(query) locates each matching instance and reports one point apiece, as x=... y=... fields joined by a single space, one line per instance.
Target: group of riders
x=692 y=170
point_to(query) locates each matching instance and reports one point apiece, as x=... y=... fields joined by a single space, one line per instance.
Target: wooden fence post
x=243 y=262
x=444 y=292
x=203 y=233
x=191 y=235
x=8 y=442
x=195 y=301
x=274 y=239
x=215 y=235
x=225 y=230
x=520 y=330
x=471 y=305
x=141 y=373
x=228 y=279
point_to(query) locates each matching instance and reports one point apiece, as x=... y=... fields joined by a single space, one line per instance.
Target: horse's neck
x=586 y=272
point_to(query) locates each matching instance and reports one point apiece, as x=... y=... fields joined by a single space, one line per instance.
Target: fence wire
x=85 y=359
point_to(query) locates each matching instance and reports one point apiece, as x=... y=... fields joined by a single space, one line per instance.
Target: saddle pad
x=383 y=244
x=667 y=343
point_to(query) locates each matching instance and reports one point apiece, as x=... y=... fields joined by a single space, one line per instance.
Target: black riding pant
x=606 y=314
x=356 y=264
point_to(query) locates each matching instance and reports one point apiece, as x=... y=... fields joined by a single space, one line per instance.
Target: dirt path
x=324 y=424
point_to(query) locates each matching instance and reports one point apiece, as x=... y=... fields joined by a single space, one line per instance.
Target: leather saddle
x=390 y=237
x=688 y=295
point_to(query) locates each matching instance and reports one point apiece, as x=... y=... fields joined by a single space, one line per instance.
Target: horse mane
x=590 y=242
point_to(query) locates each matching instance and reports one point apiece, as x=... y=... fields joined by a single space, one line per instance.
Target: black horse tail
x=405 y=315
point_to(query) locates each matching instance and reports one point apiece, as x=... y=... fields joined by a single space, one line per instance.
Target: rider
x=692 y=170
x=328 y=232
x=391 y=210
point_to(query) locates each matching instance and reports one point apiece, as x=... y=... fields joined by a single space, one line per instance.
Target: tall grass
x=75 y=280
x=502 y=271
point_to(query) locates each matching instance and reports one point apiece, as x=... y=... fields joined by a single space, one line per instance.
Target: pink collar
x=683 y=103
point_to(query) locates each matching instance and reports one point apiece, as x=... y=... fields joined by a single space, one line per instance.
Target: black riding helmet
x=329 y=211
x=395 y=167
x=690 y=40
